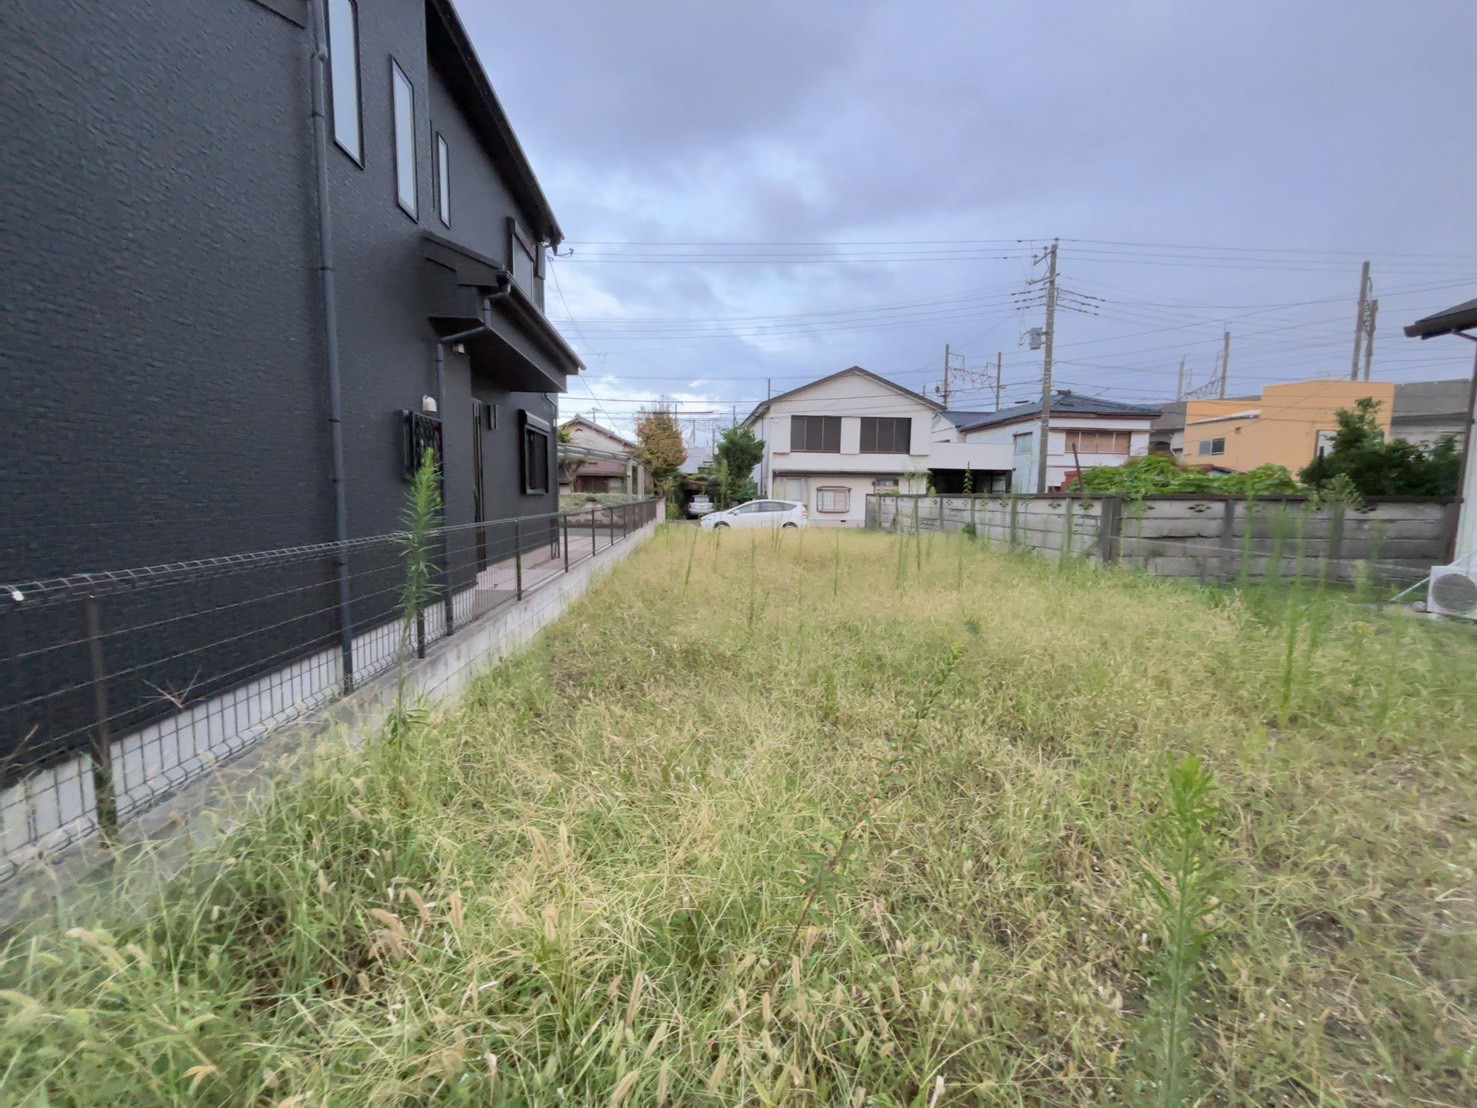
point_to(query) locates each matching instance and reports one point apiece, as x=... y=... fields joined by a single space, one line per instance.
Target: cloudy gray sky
x=775 y=190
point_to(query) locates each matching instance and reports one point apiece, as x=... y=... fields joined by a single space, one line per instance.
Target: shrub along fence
x=1204 y=538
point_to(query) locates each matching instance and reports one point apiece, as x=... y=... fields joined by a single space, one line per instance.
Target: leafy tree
x=739 y=451
x=568 y=467
x=662 y=449
x=1374 y=467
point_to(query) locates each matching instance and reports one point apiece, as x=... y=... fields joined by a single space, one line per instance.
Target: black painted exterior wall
x=162 y=340
x=161 y=344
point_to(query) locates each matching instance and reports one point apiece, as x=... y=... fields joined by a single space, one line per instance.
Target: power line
x=554 y=273
x=1028 y=242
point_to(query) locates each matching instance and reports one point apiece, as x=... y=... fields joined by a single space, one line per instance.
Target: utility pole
x=1179 y=391
x=1374 y=310
x=999 y=373
x=1361 y=322
x=1044 y=445
x=944 y=392
x=1225 y=362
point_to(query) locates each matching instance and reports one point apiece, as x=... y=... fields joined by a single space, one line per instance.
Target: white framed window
x=443 y=179
x=343 y=77
x=1212 y=446
x=1099 y=442
x=1023 y=444
x=404 y=104
x=833 y=498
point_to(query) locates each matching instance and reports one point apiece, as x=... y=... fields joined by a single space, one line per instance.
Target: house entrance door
x=1023 y=469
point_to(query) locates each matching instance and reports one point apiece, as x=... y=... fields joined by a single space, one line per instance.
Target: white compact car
x=759 y=513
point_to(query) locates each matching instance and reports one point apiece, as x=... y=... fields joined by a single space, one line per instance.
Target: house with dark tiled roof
x=1085 y=431
x=1428 y=411
x=608 y=469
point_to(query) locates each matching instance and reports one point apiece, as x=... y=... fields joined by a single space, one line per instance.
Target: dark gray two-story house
x=255 y=254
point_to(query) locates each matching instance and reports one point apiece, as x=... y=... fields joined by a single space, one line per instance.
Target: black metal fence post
x=564 y=523
x=592 y=533
x=102 y=754
x=518 y=557
x=448 y=600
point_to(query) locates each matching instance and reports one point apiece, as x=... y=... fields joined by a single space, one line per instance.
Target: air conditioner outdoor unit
x=1453 y=590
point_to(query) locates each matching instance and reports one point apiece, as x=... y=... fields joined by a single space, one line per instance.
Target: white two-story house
x=1085 y=432
x=830 y=443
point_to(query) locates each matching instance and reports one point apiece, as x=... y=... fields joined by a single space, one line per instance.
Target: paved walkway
x=498 y=583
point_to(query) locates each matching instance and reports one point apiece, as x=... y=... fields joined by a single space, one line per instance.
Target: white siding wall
x=796 y=475
x=1060 y=460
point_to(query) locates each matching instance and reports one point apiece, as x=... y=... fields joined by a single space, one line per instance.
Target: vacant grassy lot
x=834 y=819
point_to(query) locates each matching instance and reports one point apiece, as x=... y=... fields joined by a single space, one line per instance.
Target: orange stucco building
x=1284 y=427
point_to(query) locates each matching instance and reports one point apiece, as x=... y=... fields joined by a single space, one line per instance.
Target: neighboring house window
x=815 y=434
x=343 y=77
x=1099 y=442
x=886 y=436
x=1212 y=446
x=791 y=488
x=833 y=499
x=885 y=484
x=404 y=97
x=1023 y=444
x=536 y=438
x=443 y=180
x=522 y=257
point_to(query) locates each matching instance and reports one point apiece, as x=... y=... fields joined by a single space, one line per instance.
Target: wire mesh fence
x=117 y=688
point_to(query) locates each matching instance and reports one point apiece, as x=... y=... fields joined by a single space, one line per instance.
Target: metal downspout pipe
x=441 y=345
x=330 y=333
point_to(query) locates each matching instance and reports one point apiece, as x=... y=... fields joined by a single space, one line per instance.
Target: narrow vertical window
x=536 y=450
x=404 y=95
x=343 y=77
x=522 y=259
x=443 y=180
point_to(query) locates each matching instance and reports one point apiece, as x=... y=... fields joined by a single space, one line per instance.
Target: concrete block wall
x=1050 y=525
x=1204 y=538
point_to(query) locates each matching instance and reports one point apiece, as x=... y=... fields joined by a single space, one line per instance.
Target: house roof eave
x=447 y=42
x=1454 y=320
x=764 y=405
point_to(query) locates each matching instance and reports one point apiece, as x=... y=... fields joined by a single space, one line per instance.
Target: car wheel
x=791 y=526
x=720 y=527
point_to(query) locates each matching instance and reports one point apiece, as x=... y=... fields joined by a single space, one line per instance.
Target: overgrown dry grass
x=589 y=884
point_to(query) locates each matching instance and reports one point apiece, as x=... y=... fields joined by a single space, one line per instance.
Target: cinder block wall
x=1203 y=538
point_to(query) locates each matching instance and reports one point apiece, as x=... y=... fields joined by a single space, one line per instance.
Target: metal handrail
x=107 y=581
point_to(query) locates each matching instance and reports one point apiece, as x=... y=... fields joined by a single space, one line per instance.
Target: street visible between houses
x=835 y=818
